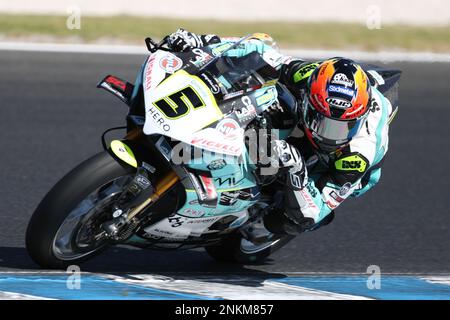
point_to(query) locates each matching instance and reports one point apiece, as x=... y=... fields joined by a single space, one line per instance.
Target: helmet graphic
x=336 y=104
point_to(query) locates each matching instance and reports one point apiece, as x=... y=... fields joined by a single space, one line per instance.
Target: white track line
x=5 y=295
x=438 y=280
x=227 y=288
x=385 y=56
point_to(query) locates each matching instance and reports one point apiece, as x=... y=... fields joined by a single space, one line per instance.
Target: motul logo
x=351 y=164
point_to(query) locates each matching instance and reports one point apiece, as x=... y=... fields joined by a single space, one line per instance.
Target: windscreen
x=238 y=74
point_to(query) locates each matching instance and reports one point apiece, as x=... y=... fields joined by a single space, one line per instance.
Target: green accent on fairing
x=268 y=96
x=380 y=152
x=304 y=72
x=221 y=47
x=123 y=152
x=351 y=163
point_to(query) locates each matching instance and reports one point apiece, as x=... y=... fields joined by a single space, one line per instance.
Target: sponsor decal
x=212 y=85
x=170 y=63
x=308 y=201
x=311 y=189
x=345 y=189
x=344 y=90
x=175 y=221
x=268 y=97
x=229 y=128
x=229 y=198
x=209 y=186
x=351 y=163
x=273 y=58
x=217 y=164
x=331 y=205
x=374 y=106
x=221 y=48
x=203 y=220
x=153 y=112
x=200 y=56
x=233 y=94
x=148 y=72
x=305 y=72
x=336 y=197
x=193 y=202
x=250 y=194
x=142 y=182
x=339 y=103
x=179 y=103
x=342 y=79
x=191 y=213
x=164 y=147
x=118 y=87
x=296 y=181
x=247 y=112
x=230 y=182
x=216 y=146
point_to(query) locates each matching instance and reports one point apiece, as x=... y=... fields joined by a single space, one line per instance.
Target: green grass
x=127 y=29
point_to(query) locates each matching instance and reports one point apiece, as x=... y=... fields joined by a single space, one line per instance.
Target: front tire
x=64 y=229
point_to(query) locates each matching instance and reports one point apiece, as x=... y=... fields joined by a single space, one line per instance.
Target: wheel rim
x=80 y=233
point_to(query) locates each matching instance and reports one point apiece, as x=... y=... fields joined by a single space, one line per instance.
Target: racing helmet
x=336 y=103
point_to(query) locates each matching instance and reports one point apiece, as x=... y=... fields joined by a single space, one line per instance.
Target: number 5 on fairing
x=176 y=105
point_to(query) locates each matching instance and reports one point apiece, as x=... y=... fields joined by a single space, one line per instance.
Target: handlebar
x=152 y=46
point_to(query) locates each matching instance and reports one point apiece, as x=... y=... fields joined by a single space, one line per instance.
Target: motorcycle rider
x=342 y=134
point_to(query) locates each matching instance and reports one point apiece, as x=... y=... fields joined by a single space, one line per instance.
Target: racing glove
x=290 y=159
x=183 y=41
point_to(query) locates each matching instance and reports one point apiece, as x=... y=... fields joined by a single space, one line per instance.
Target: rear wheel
x=237 y=249
x=66 y=228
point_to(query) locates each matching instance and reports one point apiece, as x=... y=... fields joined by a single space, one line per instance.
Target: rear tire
x=233 y=250
x=66 y=197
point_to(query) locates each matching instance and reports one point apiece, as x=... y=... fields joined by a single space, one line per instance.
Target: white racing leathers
x=350 y=172
x=329 y=179
x=333 y=178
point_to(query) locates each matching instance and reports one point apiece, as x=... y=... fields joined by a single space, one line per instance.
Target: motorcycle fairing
x=118 y=87
x=180 y=121
x=192 y=223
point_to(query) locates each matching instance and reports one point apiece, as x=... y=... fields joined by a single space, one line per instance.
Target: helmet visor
x=327 y=130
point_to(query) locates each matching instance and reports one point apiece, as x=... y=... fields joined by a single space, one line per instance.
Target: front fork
x=139 y=194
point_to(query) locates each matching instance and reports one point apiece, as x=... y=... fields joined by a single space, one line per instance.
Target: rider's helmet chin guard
x=336 y=103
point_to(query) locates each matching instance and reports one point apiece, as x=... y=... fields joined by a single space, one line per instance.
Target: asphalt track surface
x=52 y=116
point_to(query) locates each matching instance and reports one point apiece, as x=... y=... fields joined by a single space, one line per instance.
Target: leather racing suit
x=329 y=177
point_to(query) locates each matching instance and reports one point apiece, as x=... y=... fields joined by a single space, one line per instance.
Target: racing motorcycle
x=182 y=176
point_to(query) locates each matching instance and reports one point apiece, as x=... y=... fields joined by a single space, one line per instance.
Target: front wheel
x=237 y=249
x=65 y=228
